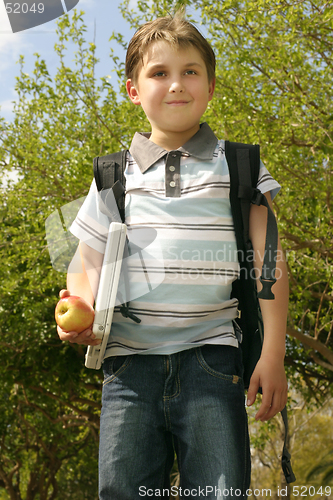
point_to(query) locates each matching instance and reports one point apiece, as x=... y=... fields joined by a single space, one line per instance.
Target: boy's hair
x=174 y=30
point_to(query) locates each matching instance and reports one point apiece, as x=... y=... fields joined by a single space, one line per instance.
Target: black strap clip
x=266 y=291
x=287 y=470
x=257 y=197
x=127 y=314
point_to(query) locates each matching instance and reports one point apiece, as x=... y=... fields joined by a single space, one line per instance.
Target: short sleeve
x=91 y=225
x=266 y=182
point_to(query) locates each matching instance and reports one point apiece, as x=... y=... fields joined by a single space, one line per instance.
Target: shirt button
x=172 y=168
x=172 y=184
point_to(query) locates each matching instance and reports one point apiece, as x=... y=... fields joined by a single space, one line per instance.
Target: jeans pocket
x=114 y=366
x=222 y=361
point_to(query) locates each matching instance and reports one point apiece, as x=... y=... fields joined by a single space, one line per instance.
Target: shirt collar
x=202 y=146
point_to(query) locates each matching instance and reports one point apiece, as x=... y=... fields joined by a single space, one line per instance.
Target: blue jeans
x=191 y=403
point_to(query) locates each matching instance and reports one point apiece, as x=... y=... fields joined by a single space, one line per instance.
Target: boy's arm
x=82 y=280
x=269 y=373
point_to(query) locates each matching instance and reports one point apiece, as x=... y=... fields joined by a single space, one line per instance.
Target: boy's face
x=173 y=89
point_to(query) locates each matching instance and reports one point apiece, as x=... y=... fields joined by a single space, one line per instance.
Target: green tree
x=323 y=470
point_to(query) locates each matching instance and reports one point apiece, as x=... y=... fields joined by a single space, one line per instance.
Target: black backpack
x=244 y=164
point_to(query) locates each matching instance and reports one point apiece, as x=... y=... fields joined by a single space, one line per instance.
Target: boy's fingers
x=86 y=341
x=66 y=335
x=264 y=409
x=272 y=405
x=85 y=338
x=265 y=412
x=252 y=391
x=64 y=293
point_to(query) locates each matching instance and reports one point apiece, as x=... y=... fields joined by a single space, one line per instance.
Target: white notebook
x=107 y=293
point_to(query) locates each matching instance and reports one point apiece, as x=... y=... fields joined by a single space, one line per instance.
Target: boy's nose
x=176 y=86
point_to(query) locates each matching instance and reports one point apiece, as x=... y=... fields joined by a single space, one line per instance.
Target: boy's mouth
x=176 y=103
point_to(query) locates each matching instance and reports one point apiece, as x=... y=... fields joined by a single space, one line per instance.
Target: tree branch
x=313 y=343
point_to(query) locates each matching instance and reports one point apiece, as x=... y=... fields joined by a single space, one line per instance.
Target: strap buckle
x=266 y=291
x=287 y=470
x=127 y=314
x=257 y=197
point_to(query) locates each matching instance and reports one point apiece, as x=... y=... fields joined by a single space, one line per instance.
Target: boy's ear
x=132 y=92
x=211 y=89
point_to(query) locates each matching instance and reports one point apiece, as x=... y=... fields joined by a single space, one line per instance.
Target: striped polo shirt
x=182 y=248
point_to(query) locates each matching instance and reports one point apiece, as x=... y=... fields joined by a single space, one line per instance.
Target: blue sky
x=106 y=15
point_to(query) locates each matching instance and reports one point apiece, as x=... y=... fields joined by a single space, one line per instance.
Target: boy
x=174 y=381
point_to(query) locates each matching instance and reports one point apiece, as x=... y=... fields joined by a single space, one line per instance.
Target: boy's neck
x=170 y=141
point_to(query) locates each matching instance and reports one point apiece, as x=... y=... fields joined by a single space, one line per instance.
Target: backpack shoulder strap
x=285 y=458
x=244 y=164
x=109 y=173
x=110 y=168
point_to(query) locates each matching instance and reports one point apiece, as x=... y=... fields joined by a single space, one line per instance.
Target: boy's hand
x=269 y=374
x=87 y=337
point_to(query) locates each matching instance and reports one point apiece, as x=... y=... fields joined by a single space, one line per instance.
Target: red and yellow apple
x=74 y=314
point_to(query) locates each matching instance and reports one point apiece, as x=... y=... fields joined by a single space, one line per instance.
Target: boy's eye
x=159 y=73
x=191 y=72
